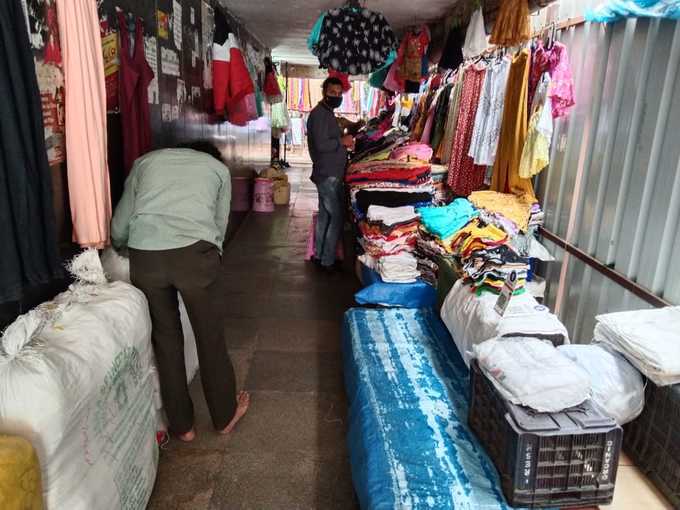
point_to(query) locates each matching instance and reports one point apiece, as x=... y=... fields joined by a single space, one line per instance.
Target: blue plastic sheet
x=409 y=442
x=616 y=10
x=407 y=295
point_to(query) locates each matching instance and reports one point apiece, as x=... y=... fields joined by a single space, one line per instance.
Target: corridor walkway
x=283 y=322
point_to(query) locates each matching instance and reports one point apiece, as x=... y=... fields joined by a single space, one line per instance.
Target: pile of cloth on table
x=388 y=183
x=388 y=238
x=649 y=339
x=438 y=225
x=518 y=215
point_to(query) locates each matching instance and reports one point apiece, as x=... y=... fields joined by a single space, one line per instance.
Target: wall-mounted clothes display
x=86 y=134
x=135 y=76
x=28 y=244
x=554 y=60
x=233 y=87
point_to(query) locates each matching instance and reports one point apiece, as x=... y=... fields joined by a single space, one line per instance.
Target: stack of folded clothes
x=487 y=257
x=506 y=209
x=649 y=339
x=387 y=231
x=388 y=183
x=399 y=268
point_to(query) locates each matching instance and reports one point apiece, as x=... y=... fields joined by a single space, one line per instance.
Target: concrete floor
x=283 y=323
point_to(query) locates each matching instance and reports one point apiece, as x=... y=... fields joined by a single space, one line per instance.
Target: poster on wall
x=111 y=64
x=177 y=23
x=181 y=93
x=169 y=62
x=44 y=37
x=208 y=26
x=151 y=53
x=166 y=112
x=163 y=24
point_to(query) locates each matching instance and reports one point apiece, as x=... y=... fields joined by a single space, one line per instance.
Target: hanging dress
x=86 y=137
x=475 y=36
x=28 y=241
x=135 y=76
x=464 y=176
x=512 y=25
x=489 y=114
x=555 y=61
x=536 y=152
x=513 y=134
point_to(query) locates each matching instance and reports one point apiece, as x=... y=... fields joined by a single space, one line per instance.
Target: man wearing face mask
x=328 y=150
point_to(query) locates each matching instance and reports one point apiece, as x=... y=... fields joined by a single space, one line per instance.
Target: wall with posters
x=177 y=35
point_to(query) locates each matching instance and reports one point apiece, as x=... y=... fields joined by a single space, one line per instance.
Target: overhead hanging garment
x=343 y=77
x=410 y=56
x=476 y=40
x=452 y=56
x=272 y=91
x=615 y=10
x=313 y=39
x=28 y=244
x=354 y=41
x=135 y=76
x=86 y=136
x=513 y=133
x=233 y=88
x=512 y=25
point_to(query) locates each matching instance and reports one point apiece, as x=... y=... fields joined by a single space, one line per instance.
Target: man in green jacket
x=173 y=218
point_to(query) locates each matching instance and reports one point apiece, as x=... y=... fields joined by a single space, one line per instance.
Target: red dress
x=135 y=76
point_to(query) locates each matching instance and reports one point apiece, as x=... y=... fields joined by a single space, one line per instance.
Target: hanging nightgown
x=135 y=76
x=86 y=137
x=489 y=114
x=28 y=244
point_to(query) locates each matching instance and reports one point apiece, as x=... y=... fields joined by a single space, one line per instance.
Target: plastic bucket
x=241 y=193
x=263 y=200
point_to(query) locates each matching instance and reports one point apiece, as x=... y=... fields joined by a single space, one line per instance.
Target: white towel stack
x=649 y=339
x=399 y=268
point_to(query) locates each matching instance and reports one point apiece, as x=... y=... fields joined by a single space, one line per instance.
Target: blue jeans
x=330 y=221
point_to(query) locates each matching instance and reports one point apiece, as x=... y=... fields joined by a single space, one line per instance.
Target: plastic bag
x=533 y=373
x=618 y=388
x=405 y=295
x=615 y=10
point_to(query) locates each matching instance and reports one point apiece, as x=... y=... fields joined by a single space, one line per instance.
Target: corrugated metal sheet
x=613 y=186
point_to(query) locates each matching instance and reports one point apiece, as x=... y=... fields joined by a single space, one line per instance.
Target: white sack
x=649 y=339
x=618 y=388
x=76 y=381
x=533 y=373
x=117 y=268
x=471 y=319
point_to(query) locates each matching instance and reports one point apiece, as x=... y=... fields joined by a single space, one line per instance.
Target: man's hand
x=347 y=141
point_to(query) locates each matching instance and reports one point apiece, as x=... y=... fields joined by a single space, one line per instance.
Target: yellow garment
x=516 y=208
x=536 y=152
x=378 y=156
x=513 y=133
x=512 y=25
x=475 y=237
x=20 y=487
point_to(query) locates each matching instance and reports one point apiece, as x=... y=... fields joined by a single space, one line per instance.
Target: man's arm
x=223 y=206
x=120 y=223
x=319 y=134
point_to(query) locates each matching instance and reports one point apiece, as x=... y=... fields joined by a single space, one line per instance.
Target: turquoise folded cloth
x=446 y=220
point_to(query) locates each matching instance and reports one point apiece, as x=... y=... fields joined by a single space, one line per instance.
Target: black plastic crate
x=566 y=459
x=653 y=439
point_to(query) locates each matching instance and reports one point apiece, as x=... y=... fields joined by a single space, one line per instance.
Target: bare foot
x=188 y=437
x=242 y=403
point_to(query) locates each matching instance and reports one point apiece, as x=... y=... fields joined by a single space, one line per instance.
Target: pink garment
x=429 y=124
x=419 y=151
x=464 y=176
x=555 y=61
x=393 y=82
x=86 y=142
x=309 y=253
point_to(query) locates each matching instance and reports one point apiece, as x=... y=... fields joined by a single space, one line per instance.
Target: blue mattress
x=409 y=442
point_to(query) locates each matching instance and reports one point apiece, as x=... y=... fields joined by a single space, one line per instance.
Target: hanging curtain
x=86 y=149
x=28 y=246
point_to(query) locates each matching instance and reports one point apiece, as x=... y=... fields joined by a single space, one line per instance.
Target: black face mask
x=333 y=102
